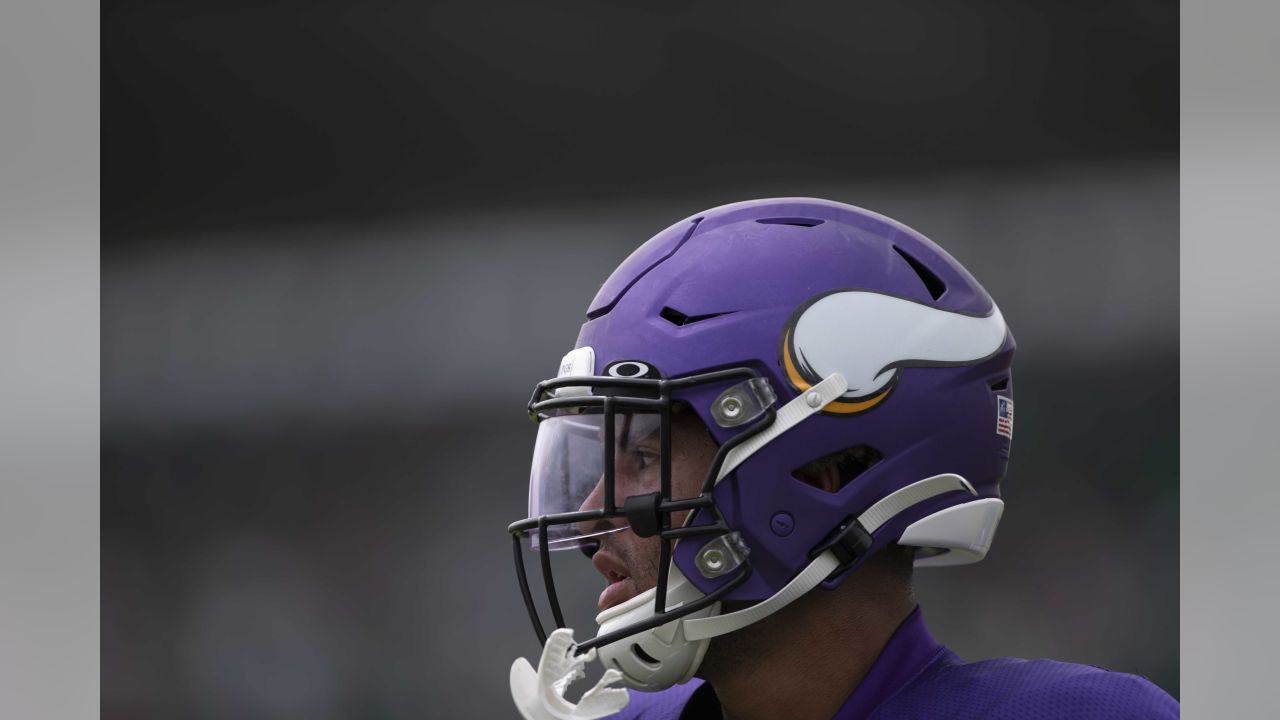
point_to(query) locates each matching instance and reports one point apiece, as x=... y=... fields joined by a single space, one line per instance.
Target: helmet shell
x=722 y=289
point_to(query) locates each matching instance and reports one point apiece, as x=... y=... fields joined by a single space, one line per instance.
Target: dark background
x=343 y=240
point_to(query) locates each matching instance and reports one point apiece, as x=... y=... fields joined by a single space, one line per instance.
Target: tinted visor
x=569 y=471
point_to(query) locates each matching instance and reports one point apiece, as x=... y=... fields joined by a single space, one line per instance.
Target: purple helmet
x=796 y=329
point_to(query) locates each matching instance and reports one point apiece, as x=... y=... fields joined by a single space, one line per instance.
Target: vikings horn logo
x=869 y=336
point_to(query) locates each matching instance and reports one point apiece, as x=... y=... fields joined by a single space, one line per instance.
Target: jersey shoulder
x=1015 y=689
x=664 y=705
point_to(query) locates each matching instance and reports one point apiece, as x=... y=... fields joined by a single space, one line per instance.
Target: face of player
x=628 y=562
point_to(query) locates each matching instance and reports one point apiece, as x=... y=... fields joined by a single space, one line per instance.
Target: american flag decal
x=1004 y=416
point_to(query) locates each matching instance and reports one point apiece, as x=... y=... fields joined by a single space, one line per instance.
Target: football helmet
x=798 y=330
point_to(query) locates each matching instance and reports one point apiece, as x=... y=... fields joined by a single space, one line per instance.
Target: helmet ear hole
x=833 y=472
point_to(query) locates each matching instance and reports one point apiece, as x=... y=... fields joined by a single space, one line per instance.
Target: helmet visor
x=569 y=472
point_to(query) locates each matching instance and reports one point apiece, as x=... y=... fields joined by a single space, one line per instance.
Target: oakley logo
x=632 y=369
x=629 y=369
x=869 y=337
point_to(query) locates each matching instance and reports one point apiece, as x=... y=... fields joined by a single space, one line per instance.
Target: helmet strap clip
x=849 y=542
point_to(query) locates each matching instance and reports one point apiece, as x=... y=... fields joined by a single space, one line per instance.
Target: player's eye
x=644 y=458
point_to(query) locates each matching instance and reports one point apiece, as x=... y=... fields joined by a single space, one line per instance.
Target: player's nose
x=595 y=501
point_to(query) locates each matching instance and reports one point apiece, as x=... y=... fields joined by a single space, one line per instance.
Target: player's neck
x=804 y=662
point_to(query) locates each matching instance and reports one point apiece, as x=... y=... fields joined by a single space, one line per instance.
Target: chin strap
x=828 y=561
x=540 y=695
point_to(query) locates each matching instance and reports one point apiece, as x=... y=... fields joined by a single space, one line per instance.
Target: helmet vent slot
x=675 y=317
x=793 y=221
x=643 y=656
x=931 y=281
x=1001 y=384
x=833 y=472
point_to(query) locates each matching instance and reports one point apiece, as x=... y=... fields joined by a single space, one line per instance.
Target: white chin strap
x=670 y=654
x=822 y=566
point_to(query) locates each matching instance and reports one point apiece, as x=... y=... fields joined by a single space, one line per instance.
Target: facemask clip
x=643 y=514
x=722 y=555
x=743 y=402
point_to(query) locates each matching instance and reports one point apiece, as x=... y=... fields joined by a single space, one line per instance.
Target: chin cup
x=659 y=658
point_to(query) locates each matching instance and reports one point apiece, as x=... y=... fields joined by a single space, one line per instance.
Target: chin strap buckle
x=849 y=542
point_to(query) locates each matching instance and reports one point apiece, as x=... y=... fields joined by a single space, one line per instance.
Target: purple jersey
x=916 y=677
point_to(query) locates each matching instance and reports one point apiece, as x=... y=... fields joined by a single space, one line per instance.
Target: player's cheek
x=686 y=476
x=644 y=563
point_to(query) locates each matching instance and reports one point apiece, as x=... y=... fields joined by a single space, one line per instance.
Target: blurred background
x=341 y=242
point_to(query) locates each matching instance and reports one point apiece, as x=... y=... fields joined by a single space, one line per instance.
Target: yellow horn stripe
x=843 y=407
x=846 y=407
x=790 y=366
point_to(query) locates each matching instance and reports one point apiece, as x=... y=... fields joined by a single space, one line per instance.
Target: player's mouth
x=619 y=588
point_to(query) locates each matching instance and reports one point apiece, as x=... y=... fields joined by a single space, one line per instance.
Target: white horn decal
x=869 y=336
